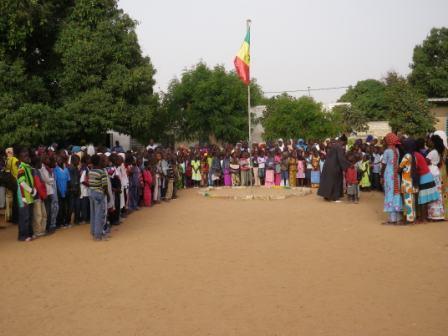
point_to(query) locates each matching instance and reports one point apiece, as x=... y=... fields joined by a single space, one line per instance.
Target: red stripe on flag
x=242 y=69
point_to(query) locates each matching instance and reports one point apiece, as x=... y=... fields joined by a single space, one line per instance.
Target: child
x=300 y=169
x=293 y=169
x=147 y=182
x=225 y=163
x=261 y=159
x=315 y=169
x=308 y=168
x=255 y=168
x=377 y=157
x=245 y=169
x=235 y=170
x=284 y=169
x=25 y=193
x=196 y=171
x=39 y=212
x=277 y=167
x=351 y=178
x=364 y=167
x=270 y=170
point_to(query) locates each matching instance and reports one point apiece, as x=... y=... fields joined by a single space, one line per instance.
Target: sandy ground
x=201 y=266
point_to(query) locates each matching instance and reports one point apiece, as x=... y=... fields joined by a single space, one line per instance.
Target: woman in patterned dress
x=392 y=197
x=435 y=209
x=409 y=180
x=443 y=171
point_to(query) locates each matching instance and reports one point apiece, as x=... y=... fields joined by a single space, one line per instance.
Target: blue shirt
x=62 y=177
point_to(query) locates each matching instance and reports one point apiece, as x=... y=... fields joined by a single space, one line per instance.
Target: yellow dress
x=292 y=172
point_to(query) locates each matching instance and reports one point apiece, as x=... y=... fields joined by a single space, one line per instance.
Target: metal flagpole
x=248 y=22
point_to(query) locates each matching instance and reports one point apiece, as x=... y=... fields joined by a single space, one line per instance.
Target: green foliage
x=430 y=65
x=288 y=117
x=350 y=118
x=76 y=67
x=367 y=99
x=207 y=104
x=409 y=110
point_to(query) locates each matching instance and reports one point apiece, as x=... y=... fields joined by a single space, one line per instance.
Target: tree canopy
x=430 y=65
x=290 y=117
x=367 y=97
x=77 y=70
x=408 y=109
x=208 y=104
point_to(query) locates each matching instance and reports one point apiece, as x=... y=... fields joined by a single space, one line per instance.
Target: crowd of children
x=46 y=189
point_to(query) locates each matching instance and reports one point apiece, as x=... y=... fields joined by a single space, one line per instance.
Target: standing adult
x=435 y=209
x=331 y=181
x=443 y=171
x=392 y=198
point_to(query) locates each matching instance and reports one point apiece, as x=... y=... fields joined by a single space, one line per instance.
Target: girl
x=284 y=167
x=365 y=173
x=196 y=171
x=245 y=169
x=409 y=180
x=147 y=182
x=308 y=169
x=261 y=166
x=293 y=169
x=270 y=170
x=255 y=168
x=392 y=197
x=204 y=170
x=315 y=169
x=226 y=170
x=235 y=170
x=278 y=169
x=435 y=209
x=300 y=169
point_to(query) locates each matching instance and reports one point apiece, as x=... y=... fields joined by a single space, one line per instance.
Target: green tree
x=367 y=98
x=78 y=69
x=409 y=110
x=289 y=117
x=430 y=65
x=208 y=104
x=350 y=119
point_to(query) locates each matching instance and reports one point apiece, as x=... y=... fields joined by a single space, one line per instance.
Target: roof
x=438 y=100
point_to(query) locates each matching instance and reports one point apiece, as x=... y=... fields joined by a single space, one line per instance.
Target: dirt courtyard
x=202 y=266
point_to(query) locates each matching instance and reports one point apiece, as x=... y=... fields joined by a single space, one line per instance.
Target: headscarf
x=393 y=140
x=442 y=135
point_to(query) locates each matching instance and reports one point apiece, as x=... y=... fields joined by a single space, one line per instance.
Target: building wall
x=441 y=114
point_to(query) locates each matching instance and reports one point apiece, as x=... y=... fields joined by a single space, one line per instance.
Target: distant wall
x=441 y=114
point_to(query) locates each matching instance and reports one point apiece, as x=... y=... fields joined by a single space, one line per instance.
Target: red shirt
x=421 y=164
x=351 y=176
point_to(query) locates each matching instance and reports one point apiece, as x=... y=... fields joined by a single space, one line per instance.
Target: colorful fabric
x=25 y=175
x=427 y=189
x=97 y=180
x=365 y=179
x=292 y=172
x=409 y=207
x=392 y=200
x=196 y=171
x=435 y=209
x=242 y=59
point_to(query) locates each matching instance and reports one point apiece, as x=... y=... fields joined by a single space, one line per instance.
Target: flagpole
x=248 y=22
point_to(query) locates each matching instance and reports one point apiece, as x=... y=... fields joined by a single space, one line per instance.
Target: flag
x=242 y=59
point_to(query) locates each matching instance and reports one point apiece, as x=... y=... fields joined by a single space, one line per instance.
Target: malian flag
x=242 y=59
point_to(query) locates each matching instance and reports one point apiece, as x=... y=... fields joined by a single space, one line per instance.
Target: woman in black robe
x=331 y=181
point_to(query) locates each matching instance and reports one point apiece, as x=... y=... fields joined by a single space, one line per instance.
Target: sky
x=295 y=44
